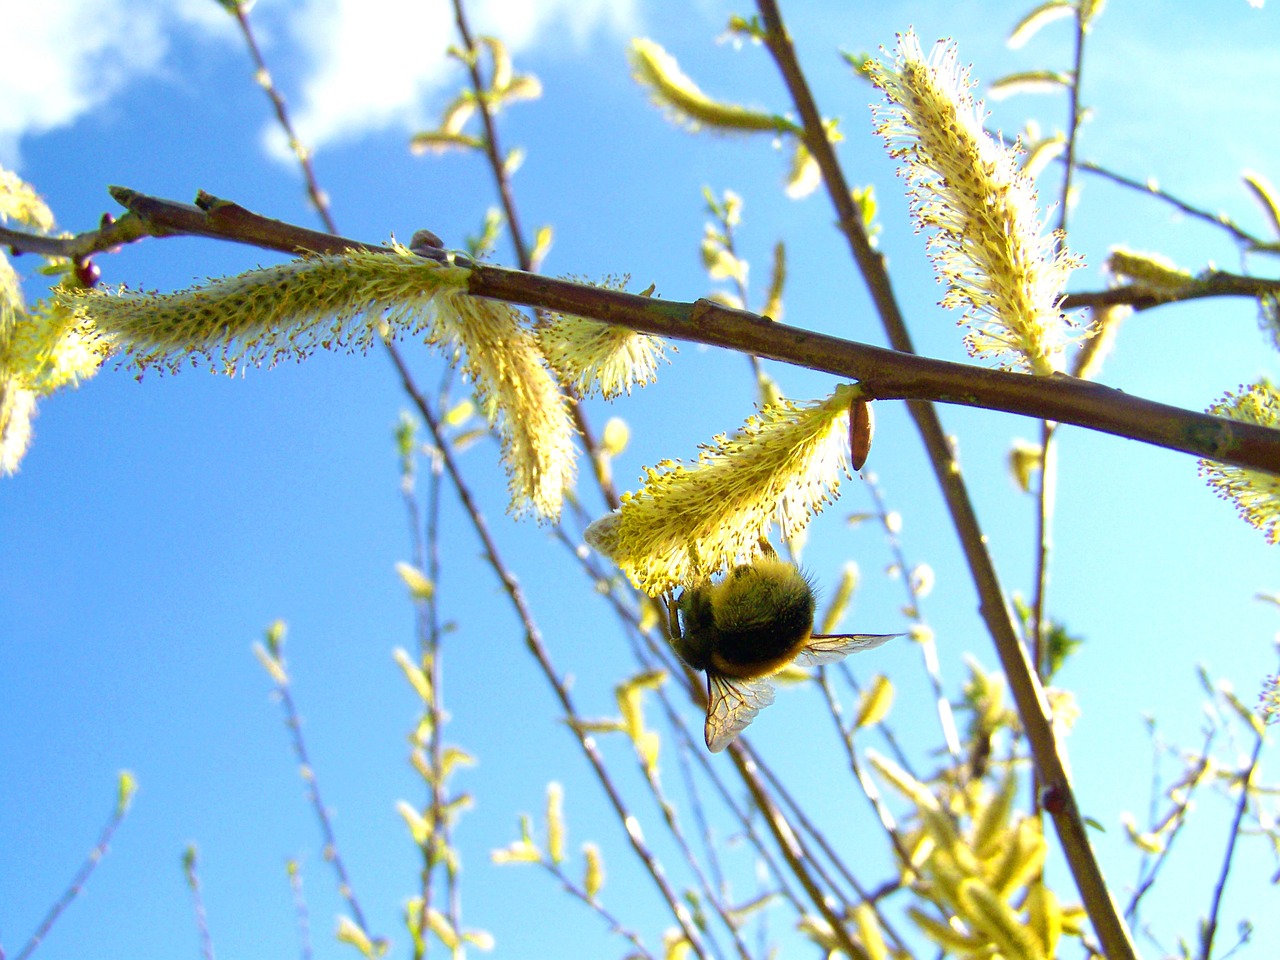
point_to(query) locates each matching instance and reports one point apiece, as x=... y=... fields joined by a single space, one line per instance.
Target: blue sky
x=156 y=528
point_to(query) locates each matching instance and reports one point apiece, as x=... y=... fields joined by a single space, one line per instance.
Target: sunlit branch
x=882 y=374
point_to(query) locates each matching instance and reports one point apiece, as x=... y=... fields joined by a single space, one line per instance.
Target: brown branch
x=1211 y=283
x=883 y=374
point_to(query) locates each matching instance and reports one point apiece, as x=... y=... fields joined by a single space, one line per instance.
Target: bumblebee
x=745 y=628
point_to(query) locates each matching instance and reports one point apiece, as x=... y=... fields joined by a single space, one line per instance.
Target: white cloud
x=364 y=65
x=66 y=57
x=69 y=57
x=377 y=65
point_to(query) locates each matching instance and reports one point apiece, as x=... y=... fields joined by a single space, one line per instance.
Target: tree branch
x=883 y=374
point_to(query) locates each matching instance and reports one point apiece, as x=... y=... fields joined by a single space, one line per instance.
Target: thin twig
x=490 y=138
x=1210 y=926
x=191 y=871
x=318 y=198
x=615 y=925
x=868 y=785
x=926 y=642
x=78 y=882
x=1170 y=824
x=293 y=722
x=1046 y=493
x=300 y=909
x=789 y=846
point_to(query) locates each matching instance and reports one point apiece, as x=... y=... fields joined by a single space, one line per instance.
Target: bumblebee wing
x=731 y=705
x=828 y=648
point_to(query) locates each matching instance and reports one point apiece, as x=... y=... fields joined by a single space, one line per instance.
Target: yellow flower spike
x=991 y=824
x=287 y=311
x=19 y=201
x=40 y=353
x=995 y=919
x=1256 y=494
x=989 y=246
x=346 y=301
x=519 y=397
x=1044 y=917
x=17 y=407
x=689 y=521
x=595 y=357
x=1022 y=858
x=946 y=936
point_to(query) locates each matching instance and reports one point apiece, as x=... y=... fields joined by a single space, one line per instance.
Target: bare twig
x=77 y=884
x=317 y=196
x=789 y=846
x=332 y=853
x=1210 y=925
x=490 y=139
x=191 y=871
x=300 y=910
x=927 y=643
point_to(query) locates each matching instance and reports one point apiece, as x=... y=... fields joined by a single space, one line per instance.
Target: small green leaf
x=1266 y=196
x=777 y=282
x=1025 y=460
x=555 y=822
x=419 y=826
x=542 y=244
x=874 y=703
x=273 y=666
x=503 y=68
x=804 y=176
x=348 y=932
x=660 y=74
x=615 y=436
x=522 y=851
x=459 y=413
x=1042 y=15
x=593 y=876
x=1030 y=81
x=420 y=587
x=415 y=675
x=440 y=141
x=127 y=786
x=275 y=637
x=479 y=939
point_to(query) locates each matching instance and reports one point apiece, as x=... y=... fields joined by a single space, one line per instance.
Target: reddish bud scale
x=88 y=273
x=862 y=424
